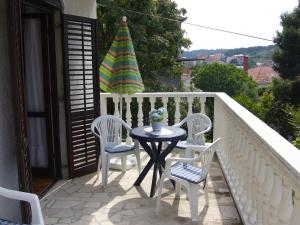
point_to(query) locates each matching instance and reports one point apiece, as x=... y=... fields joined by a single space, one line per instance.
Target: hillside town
x=262 y=73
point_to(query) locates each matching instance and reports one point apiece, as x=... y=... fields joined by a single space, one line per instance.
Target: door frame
x=50 y=95
x=17 y=73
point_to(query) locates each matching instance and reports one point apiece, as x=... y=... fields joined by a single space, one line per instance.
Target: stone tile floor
x=82 y=201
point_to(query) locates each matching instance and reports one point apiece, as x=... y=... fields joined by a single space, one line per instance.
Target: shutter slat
x=82 y=92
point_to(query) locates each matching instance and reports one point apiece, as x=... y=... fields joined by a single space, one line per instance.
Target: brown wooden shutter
x=82 y=93
x=17 y=72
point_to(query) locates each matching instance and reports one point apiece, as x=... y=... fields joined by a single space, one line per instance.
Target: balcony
x=261 y=170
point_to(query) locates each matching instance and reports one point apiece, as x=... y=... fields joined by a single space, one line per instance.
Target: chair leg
x=177 y=189
x=206 y=194
x=99 y=163
x=161 y=184
x=193 y=198
x=105 y=167
x=188 y=153
x=138 y=160
x=124 y=163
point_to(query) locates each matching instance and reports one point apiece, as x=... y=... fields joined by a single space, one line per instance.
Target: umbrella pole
x=121 y=106
x=121 y=115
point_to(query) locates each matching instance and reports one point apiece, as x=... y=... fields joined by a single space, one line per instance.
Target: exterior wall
x=8 y=162
x=84 y=8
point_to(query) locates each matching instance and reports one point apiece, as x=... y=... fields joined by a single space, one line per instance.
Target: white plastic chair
x=108 y=129
x=32 y=199
x=182 y=171
x=197 y=125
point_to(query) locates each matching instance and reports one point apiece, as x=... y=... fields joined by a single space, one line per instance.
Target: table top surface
x=167 y=133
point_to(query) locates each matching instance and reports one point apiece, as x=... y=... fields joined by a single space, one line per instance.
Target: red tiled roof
x=262 y=74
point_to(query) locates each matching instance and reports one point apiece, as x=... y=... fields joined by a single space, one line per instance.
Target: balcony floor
x=82 y=201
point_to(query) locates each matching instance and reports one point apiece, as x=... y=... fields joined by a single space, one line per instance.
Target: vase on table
x=156 y=126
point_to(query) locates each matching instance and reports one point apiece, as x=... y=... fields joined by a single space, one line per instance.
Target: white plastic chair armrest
x=126 y=125
x=32 y=199
x=201 y=132
x=178 y=124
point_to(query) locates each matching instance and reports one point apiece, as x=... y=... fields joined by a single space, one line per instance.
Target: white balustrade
x=165 y=99
x=261 y=167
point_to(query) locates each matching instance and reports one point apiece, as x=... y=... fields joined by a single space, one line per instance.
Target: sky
x=253 y=17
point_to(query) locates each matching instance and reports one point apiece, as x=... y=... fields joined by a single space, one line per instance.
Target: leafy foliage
x=224 y=78
x=157 y=41
x=282 y=90
x=294 y=119
x=273 y=113
x=287 y=56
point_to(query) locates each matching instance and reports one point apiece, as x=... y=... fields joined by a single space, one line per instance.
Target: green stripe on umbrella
x=119 y=71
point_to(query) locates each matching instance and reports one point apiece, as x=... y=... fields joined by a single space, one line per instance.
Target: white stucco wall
x=85 y=8
x=9 y=209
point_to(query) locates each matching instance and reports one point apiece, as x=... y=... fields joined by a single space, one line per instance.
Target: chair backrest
x=108 y=128
x=207 y=156
x=32 y=199
x=196 y=123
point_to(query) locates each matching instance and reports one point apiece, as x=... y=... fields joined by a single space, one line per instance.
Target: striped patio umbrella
x=119 y=72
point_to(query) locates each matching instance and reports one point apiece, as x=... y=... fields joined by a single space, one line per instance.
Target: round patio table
x=152 y=143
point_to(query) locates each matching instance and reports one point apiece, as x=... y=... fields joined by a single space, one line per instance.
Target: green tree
x=274 y=114
x=224 y=78
x=157 y=41
x=287 y=56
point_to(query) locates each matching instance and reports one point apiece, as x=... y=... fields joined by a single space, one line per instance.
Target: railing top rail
x=283 y=150
x=164 y=94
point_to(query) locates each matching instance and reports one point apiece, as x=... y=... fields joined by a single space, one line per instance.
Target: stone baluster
x=295 y=220
x=128 y=117
x=234 y=139
x=239 y=151
x=242 y=191
x=103 y=107
x=275 y=199
x=190 y=100
x=250 y=199
x=177 y=109
x=165 y=100
x=252 y=215
x=286 y=206
x=267 y=190
x=261 y=176
x=152 y=103
x=140 y=111
x=116 y=100
x=202 y=102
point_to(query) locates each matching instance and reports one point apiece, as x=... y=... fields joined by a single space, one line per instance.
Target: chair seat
x=119 y=148
x=183 y=145
x=187 y=172
x=5 y=222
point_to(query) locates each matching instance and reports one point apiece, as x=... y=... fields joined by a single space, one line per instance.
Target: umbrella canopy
x=119 y=72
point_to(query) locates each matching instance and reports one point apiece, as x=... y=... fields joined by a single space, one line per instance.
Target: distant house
x=219 y=57
x=191 y=62
x=263 y=74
